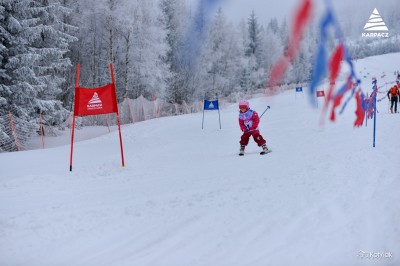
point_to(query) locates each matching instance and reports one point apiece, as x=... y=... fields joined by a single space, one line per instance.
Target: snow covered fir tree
x=174 y=50
x=34 y=65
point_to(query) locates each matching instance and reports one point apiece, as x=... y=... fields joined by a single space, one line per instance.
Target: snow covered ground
x=324 y=196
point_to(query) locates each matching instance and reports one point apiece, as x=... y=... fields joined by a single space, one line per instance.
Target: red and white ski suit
x=248 y=122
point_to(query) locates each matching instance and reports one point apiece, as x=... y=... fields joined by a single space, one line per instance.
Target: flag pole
x=204 y=102
x=120 y=141
x=78 y=69
x=219 y=116
x=366 y=115
x=118 y=119
x=375 y=117
x=72 y=143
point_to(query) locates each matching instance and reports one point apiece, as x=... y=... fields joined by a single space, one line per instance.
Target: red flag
x=95 y=101
x=320 y=93
x=334 y=65
x=338 y=99
x=360 y=113
x=302 y=17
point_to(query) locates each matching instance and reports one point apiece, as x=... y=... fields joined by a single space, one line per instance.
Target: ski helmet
x=244 y=103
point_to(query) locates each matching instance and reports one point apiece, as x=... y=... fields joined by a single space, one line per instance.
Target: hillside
x=324 y=196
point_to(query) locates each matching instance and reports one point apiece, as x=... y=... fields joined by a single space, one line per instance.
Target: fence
x=15 y=133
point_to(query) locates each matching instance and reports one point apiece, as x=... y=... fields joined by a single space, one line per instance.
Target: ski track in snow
x=186 y=198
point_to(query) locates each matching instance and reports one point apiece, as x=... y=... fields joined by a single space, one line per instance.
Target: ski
x=265 y=152
x=261 y=153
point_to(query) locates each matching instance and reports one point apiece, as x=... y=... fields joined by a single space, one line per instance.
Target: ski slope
x=324 y=196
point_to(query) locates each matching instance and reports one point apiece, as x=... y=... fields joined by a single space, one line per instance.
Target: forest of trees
x=159 y=48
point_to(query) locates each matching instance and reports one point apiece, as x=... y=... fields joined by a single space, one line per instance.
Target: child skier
x=248 y=121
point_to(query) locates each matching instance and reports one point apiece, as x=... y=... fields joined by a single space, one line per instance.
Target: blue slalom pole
x=366 y=115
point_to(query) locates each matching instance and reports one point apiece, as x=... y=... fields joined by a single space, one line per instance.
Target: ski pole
x=264 y=111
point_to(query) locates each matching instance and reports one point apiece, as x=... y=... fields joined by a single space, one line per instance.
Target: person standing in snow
x=394 y=97
x=248 y=122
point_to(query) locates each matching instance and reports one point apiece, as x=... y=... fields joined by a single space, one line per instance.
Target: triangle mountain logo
x=95 y=99
x=375 y=22
x=95 y=102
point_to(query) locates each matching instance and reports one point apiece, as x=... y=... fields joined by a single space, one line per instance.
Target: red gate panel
x=95 y=101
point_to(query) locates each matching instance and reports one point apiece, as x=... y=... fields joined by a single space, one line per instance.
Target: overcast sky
x=235 y=10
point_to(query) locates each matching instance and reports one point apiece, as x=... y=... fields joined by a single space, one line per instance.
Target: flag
x=302 y=16
x=320 y=93
x=360 y=111
x=332 y=67
x=369 y=103
x=211 y=105
x=320 y=64
x=337 y=99
x=95 y=101
x=299 y=89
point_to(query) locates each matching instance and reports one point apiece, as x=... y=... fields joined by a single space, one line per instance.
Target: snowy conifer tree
x=222 y=58
x=51 y=37
x=35 y=59
x=33 y=46
x=19 y=83
x=255 y=52
x=172 y=12
x=146 y=72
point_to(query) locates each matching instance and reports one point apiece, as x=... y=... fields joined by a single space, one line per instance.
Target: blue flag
x=299 y=89
x=211 y=105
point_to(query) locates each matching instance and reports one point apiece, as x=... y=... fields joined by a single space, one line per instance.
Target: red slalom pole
x=72 y=144
x=120 y=141
x=118 y=120
x=78 y=69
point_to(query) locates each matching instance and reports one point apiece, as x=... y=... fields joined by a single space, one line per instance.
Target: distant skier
x=394 y=97
x=374 y=84
x=248 y=122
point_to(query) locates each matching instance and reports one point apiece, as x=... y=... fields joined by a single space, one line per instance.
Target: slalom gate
x=95 y=101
